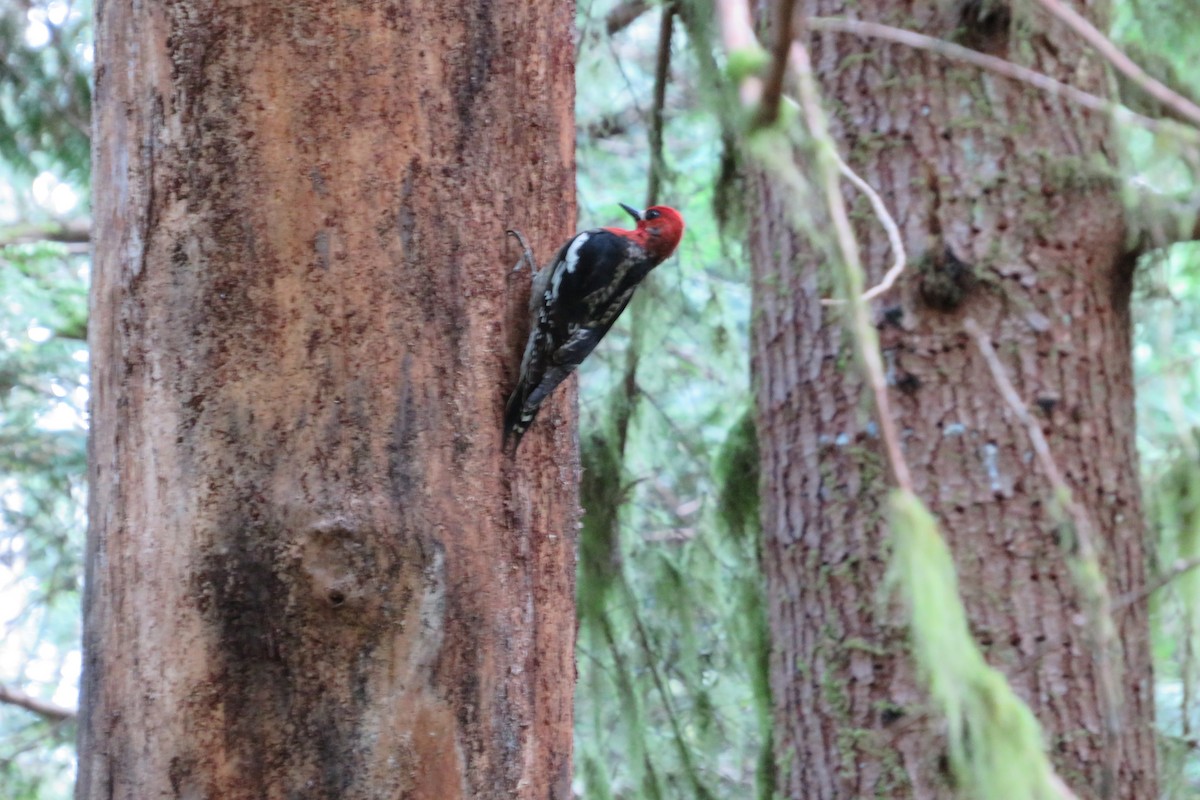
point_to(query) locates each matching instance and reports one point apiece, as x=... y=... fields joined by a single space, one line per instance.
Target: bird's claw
x=526 y=251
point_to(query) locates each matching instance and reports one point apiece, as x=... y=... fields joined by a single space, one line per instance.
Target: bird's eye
x=652 y=214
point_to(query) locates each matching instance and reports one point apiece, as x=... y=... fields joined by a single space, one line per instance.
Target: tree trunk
x=1010 y=211
x=311 y=573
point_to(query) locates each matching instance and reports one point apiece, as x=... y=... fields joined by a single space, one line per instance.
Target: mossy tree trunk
x=311 y=573
x=1011 y=215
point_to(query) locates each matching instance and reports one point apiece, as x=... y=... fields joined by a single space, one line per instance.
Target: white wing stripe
x=568 y=264
x=573 y=251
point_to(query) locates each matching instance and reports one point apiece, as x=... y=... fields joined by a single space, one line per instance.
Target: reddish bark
x=311 y=573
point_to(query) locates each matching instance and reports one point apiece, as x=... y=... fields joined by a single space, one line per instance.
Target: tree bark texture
x=311 y=572
x=1009 y=208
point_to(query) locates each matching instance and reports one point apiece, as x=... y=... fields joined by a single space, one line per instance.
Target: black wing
x=590 y=272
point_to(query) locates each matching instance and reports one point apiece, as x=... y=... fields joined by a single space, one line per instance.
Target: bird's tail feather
x=516 y=418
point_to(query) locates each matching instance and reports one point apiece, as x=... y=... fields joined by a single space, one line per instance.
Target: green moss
x=833 y=690
x=1074 y=174
x=845 y=360
x=736 y=475
x=868 y=146
x=599 y=551
x=841 y=569
x=995 y=744
x=852 y=61
x=746 y=62
x=871 y=467
x=887 y=708
x=764 y=772
x=595 y=776
x=863 y=646
x=868 y=744
x=945 y=280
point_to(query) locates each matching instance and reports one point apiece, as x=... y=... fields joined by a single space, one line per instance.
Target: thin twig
x=768 y=106
x=685 y=755
x=1160 y=221
x=627 y=407
x=699 y=455
x=1180 y=567
x=900 y=258
x=1040 y=447
x=51 y=711
x=888 y=222
x=1164 y=94
x=737 y=35
x=1094 y=593
x=999 y=66
x=624 y=684
x=67 y=233
x=662 y=73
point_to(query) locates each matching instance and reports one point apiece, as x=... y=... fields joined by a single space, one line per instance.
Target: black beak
x=633 y=212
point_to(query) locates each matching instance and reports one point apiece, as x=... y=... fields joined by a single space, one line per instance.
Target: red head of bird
x=659 y=229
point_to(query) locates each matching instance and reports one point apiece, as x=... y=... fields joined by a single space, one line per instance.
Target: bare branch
x=737 y=35
x=900 y=258
x=1171 y=368
x=1040 y=447
x=662 y=73
x=768 y=107
x=50 y=711
x=889 y=225
x=68 y=233
x=737 y=32
x=1007 y=69
x=1174 y=228
x=1160 y=92
x=1156 y=220
x=1180 y=567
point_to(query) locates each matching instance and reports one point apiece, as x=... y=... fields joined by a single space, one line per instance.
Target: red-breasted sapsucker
x=577 y=298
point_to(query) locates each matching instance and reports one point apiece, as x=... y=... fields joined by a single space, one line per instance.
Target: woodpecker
x=576 y=299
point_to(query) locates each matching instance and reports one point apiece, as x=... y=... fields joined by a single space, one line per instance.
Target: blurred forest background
x=671 y=652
